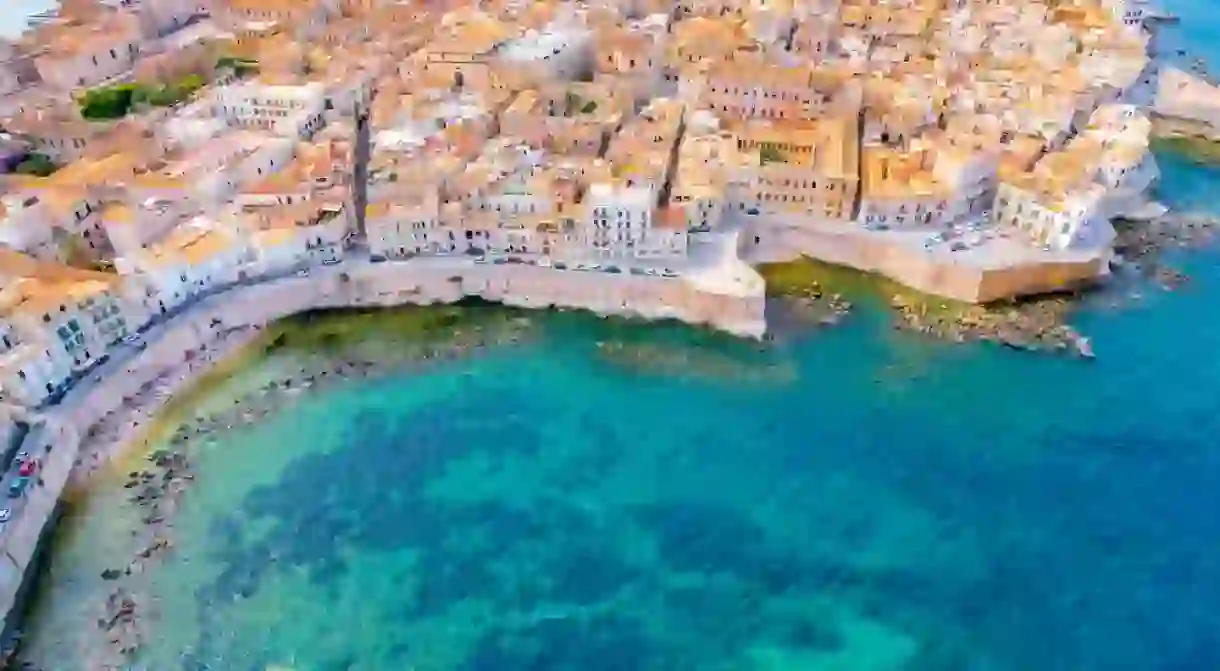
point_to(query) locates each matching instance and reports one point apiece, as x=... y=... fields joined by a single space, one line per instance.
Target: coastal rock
x=1036 y=325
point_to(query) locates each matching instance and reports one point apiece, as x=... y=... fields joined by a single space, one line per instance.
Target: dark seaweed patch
x=604 y=643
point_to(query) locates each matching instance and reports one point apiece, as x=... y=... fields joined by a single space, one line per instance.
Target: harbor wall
x=183 y=349
x=955 y=278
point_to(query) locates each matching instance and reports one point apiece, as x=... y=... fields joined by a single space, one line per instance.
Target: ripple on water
x=536 y=508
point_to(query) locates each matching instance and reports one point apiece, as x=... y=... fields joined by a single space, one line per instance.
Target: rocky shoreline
x=1034 y=325
x=811 y=306
x=157 y=488
x=1175 y=127
x=1140 y=263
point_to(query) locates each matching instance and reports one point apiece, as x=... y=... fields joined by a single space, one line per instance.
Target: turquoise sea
x=847 y=499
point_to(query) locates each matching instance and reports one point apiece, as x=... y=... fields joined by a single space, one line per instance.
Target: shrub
x=36 y=164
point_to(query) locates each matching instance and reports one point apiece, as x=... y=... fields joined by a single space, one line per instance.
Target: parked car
x=638 y=271
x=303 y=273
x=666 y=272
x=480 y=259
x=612 y=269
x=499 y=261
x=6 y=514
x=330 y=262
x=17 y=487
x=559 y=265
x=376 y=258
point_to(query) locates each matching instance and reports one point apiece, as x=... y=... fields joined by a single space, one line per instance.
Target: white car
x=302 y=273
x=5 y=514
x=544 y=263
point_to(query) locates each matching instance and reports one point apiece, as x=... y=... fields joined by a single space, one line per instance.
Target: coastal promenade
x=178 y=348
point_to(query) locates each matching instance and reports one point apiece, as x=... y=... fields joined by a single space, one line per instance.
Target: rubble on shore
x=1034 y=325
x=811 y=293
x=156 y=488
x=813 y=306
x=1140 y=247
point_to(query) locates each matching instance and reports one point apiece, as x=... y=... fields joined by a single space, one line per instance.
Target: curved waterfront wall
x=180 y=350
x=962 y=278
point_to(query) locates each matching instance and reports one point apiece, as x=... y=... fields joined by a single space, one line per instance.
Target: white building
x=192 y=260
x=620 y=224
x=54 y=324
x=24 y=226
x=406 y=225
x=295 y=111
x=558 y=52
x=80 y=57
x=1070 y=219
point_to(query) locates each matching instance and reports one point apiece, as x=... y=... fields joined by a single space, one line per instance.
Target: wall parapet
x=58 y=438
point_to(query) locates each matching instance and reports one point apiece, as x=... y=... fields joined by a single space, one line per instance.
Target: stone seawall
x=963 y=277
x=1164 y=126
x=1186 y=105
x=190 y=343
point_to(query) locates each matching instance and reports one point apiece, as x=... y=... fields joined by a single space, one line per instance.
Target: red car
x=28 y=467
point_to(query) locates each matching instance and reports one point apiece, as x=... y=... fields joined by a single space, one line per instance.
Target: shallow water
x=850 y=499
x=886 y=503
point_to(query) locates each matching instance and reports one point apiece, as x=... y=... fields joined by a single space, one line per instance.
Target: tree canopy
x=114 y=102
x=770 y=154
x=240 y=66
x=36 y=164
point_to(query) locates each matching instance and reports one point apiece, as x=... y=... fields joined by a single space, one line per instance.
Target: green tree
x=190 y=83
x=240 y=66
x=109 y=102
x=164 y=96
x=36 y=164
x=769 y=154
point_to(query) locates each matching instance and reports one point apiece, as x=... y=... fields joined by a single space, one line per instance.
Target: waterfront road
x=49 y=417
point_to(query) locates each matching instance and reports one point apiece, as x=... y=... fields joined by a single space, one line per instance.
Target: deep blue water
x=849 y=499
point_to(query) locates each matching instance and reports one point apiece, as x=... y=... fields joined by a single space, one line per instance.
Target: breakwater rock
x=1035 y=325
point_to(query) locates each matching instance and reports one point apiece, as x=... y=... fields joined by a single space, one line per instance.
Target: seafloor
x=616 y=496
x=609 y=496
